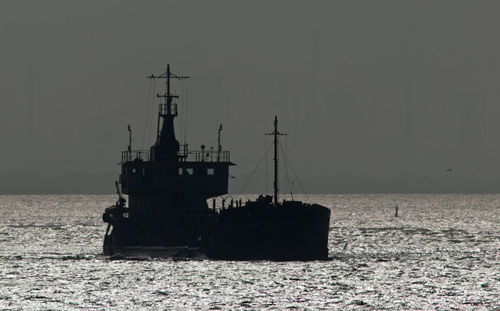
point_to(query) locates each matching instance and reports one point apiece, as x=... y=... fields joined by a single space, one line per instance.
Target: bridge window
x=210 y=171
x=189 y=171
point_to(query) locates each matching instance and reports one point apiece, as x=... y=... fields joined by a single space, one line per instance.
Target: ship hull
x=170 y=238
x=283 y=233
x=288 y=232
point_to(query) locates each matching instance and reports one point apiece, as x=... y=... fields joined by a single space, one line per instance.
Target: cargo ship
x=167 y=214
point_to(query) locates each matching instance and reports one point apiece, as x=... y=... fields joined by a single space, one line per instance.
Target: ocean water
x=442 y=252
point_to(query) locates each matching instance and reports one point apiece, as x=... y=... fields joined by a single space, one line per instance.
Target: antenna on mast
x=275 y=135
x=219 y=146
x=129 y=138
x=129 y=149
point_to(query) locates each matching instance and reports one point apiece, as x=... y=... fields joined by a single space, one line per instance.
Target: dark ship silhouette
x=168 y=215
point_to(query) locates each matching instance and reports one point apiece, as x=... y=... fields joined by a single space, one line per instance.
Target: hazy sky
x=376 y=96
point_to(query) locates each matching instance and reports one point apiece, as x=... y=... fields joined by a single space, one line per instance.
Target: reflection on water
x=442 y=252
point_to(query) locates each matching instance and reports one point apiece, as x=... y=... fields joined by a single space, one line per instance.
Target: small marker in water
x=396 y=209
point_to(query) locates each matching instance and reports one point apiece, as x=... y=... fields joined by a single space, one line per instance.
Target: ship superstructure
x=167 y=187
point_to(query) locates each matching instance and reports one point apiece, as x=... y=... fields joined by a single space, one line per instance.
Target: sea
x=442 y=252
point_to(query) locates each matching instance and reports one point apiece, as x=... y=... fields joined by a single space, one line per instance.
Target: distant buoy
x=396 y=209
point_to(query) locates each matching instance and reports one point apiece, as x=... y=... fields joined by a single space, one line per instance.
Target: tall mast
x=168 y=96
x=275 y=134
x=276 y=163
x=166 y=146
x=166 y=110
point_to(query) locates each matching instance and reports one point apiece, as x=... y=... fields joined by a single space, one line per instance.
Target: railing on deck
x=185 y=155
x=206 y=156
x=135 y=154
x=164 y=109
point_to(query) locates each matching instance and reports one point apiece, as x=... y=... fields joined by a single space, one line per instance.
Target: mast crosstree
x=168 y=96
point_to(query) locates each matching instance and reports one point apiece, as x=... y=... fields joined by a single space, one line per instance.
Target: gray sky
x=376 y=96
